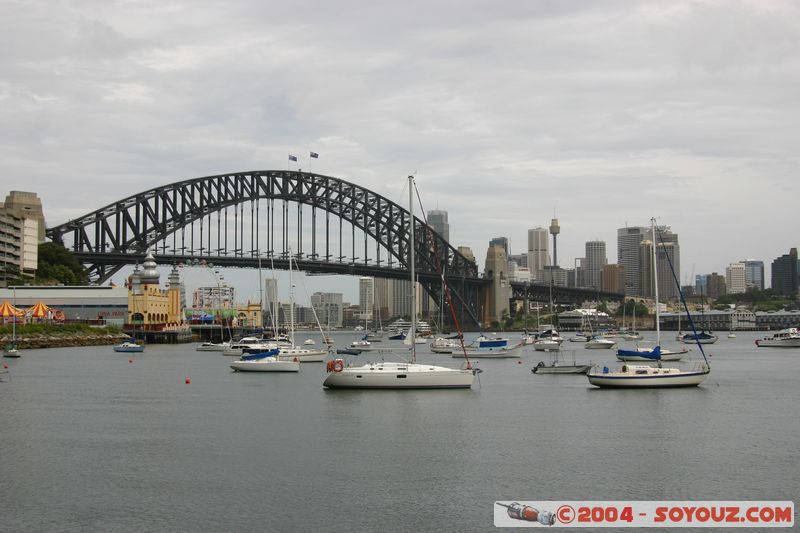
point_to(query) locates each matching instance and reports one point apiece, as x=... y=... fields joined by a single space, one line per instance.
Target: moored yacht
x=785 y=338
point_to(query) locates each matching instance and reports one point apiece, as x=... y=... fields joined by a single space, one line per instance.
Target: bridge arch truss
x=328 y=225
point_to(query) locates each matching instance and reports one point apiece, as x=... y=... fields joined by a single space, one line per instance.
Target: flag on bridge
x=315 y=155
x=292 y=157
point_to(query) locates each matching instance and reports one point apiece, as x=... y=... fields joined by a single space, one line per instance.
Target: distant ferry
x=785 y=338
x=403 y=325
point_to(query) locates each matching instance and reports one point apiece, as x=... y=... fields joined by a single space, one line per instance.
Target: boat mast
x=655 y=283
x=291 y=299
x=413 y=333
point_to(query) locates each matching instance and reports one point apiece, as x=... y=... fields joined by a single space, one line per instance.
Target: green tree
x=59 y=265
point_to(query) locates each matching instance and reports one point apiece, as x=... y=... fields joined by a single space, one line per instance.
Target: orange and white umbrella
x=40 y=310
x=7 y=310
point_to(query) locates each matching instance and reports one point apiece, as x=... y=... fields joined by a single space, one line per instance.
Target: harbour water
x=92 y=442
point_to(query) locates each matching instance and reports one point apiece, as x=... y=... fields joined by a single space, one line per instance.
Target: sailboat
x=655 y=353
x=11 y=350
x=704 y=337
x=401 y=375
x=642 y=376
x=633 y=335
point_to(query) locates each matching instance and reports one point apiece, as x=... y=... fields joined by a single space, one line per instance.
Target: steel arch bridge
x=238 y=219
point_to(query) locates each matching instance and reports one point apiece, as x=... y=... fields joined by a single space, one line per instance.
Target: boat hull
x=13 y=353
x=684 y=379
x=129 y=349
x=499 y=353
x=561 y=369
x=211 y=347
x=768 y=343
x=268 y=364
x=399 y=376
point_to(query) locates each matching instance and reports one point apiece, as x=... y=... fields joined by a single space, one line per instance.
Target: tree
x=59 y=265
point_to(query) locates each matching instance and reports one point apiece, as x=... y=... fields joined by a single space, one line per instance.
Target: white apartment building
x=21 y=232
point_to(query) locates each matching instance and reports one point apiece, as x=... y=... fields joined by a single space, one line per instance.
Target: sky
x=602 y=113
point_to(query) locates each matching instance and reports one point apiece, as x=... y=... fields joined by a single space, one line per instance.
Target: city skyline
x=603 y=114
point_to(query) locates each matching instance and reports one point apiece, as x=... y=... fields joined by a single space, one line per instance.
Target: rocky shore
x=60 y=340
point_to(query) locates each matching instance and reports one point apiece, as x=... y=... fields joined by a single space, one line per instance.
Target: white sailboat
x=400 y=375
x=646 y=376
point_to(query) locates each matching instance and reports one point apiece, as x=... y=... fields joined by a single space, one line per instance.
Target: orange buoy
x=188 y=381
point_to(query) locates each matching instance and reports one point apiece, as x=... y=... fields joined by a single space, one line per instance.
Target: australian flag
x=315 y=155
x=292 y=157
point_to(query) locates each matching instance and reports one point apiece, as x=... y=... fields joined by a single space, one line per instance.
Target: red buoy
x=5 y=365
x=130 y=360
x=188 y=381
x=519 y=362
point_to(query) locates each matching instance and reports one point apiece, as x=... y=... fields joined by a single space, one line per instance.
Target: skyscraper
x=666 y=252
x=538 y=253
x=366 y=296
x=628 y=240
x=735 y=278
x=328 y=306
x=595 y=261
x=754 y=274
x=437 y=219
x=629 y=255
x=784 y=274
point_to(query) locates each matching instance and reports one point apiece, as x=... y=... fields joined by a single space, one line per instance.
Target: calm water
x=91 y=442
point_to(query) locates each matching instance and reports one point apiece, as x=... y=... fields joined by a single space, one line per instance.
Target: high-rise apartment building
x=21 y=232
x=754 y=274
x=784 y=274
x=735 y=278
x=538 y=252
x=595 y=261
x=383 y=297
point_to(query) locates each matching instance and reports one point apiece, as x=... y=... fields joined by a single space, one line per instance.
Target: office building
x=715 y=286
x=628 y=254
x=21 y=231
x=538 y=252
x=366 y=295
x=437 y=219
x=518 y=273
x=784 y=274
x=329 y=308
x=754 y=274
x=595 y=261
x=520 y=259
x=400 y=297
x=666 y=252
x=613 y=278
x=735 y=278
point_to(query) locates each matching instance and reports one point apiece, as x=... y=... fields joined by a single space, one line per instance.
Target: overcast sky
x=604 y=113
